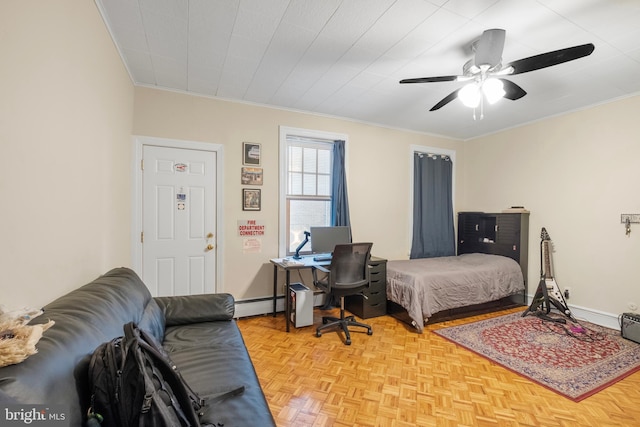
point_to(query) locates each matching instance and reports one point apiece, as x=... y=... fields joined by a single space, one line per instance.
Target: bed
x=427 y=286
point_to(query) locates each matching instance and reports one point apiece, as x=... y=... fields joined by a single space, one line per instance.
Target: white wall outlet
x=633 y=306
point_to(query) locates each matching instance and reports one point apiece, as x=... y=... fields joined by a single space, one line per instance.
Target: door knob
x=209 y=247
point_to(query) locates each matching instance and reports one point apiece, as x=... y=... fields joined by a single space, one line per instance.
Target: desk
x=288 y=264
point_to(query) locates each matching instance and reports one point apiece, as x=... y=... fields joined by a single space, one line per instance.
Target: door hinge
x=142 y=237
x=141 y=164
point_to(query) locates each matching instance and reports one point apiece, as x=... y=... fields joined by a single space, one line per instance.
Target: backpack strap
x=183 y=393
x=156 y=348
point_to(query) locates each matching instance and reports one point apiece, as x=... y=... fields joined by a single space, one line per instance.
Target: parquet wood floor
x=397 y=377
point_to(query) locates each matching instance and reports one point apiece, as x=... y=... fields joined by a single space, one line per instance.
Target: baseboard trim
x=601 y=318
x=597 y=317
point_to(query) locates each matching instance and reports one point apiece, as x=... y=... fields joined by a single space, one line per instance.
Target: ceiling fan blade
x=549 y=59
x=489 y=48
x=512 y=90
x=430 y=79
x=447 y=99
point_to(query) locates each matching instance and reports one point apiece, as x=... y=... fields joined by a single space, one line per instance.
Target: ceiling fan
x=486 y=73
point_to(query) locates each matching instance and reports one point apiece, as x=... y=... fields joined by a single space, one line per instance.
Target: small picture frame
x=251 y=199
x=251 y=176
x=251 y=154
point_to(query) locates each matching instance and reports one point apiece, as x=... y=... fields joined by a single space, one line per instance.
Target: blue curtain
x=433 y=230
x=339 y=199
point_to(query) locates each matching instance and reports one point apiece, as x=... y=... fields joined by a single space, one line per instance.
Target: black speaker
x=630 y=326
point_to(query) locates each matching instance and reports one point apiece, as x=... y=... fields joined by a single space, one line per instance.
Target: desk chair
x=348 y=274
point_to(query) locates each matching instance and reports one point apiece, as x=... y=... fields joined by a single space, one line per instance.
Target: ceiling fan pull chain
x=481 y=105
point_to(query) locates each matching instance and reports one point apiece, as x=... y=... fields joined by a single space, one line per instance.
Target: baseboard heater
x=264 y=305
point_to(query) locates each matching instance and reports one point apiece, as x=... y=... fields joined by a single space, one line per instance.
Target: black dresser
x=376 y=302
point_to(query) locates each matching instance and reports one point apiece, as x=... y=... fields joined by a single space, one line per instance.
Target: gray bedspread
x=429 y=285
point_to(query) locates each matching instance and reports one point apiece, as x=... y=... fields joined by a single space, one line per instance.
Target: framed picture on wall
x=251 y=199
x=251 y=154
x=251 y=176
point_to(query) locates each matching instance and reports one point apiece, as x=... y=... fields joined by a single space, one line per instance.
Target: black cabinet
x=376 y=302
x=504 y=234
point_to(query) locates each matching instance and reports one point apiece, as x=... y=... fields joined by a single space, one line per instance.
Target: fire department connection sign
x=250 y=228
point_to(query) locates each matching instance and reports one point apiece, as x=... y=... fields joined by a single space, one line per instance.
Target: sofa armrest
x=181 y=310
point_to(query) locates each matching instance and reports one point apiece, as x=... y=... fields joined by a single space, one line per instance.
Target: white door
x=179 y=218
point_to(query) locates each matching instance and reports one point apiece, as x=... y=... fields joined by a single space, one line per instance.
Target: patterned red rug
x=574 y=360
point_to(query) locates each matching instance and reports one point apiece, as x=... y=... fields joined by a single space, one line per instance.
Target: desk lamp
x=304 y=242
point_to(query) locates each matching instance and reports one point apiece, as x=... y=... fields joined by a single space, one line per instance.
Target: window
x=305 y=184
x=308 y=188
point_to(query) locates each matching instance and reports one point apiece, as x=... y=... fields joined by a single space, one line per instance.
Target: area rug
x=575 y=360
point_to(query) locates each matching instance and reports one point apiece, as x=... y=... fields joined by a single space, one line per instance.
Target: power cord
x=574 y=329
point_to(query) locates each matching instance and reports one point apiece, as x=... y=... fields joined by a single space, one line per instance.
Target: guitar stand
x=542 y=301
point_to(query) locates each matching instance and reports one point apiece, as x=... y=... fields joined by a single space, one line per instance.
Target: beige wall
x=378 y=175
x=67 y=115
x=65 y=124
x=576 y=174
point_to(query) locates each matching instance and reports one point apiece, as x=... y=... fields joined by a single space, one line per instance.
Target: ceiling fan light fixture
x=470 y=95
x=493 y=89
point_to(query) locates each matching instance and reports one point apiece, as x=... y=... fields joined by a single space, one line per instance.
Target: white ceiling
x=344 y=58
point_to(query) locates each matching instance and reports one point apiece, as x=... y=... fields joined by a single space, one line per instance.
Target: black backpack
x=134 y=383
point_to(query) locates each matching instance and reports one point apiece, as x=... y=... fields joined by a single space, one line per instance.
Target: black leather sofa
x=198 y=331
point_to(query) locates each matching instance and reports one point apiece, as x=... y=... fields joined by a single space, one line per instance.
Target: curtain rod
x=433 y=155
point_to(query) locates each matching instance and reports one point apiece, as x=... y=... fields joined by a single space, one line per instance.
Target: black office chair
x=348 y=274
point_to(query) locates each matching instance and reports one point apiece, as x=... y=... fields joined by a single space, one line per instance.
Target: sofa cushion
x=187 y=309
x=218 y=349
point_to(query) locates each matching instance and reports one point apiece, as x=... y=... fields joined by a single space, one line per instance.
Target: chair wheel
x=318 y=334
x=348 y=342
x=325 y=321
x=369 y=332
